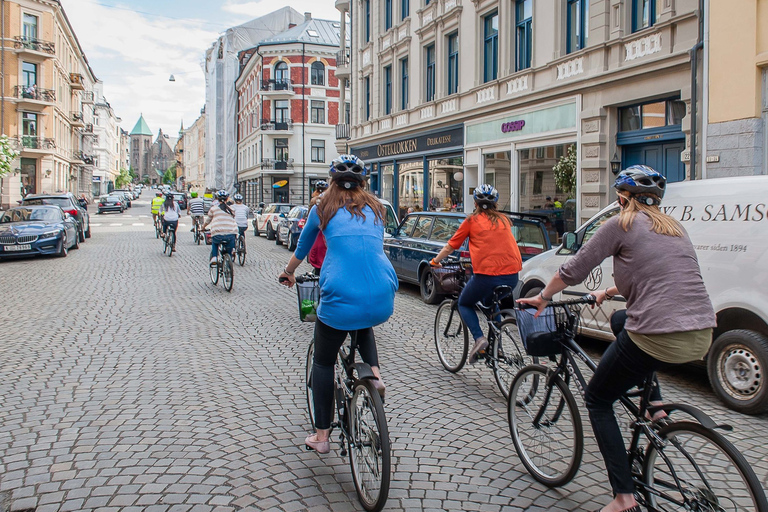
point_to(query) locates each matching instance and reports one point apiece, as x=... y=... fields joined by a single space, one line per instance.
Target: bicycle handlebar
x=584 y=299
x=308 y=277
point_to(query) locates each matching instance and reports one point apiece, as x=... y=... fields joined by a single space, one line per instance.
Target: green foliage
x=565 y=171
x=7 y=155
x=123 y=179
x=169 y=178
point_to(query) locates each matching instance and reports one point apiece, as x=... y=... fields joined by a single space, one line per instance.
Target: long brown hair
x=492 y=213
x=661 y=223
x=354 y=200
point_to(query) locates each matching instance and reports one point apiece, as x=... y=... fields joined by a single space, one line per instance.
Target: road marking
x=95 y=224
x=115 y=225
x=137 y=224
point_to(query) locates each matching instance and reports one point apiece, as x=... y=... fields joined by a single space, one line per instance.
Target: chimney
x=291 y=25
x=307 y=16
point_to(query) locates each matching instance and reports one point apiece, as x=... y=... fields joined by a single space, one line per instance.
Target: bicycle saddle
x=501 y=292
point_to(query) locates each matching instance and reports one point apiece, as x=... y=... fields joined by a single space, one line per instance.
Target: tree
x=124 y=178
x=565 y=171
x=7 y=155
x=169 y=178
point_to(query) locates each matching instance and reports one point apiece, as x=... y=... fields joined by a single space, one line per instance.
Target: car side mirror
x=570 y=241
x=282 y=215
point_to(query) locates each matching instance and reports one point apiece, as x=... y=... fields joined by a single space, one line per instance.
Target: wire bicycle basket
x=308 y=293
x=542 y=335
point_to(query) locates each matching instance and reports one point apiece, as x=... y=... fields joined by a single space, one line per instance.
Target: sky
x=134 y=46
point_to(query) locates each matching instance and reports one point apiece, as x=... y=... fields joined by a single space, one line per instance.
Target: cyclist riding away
x=221 y=218
x=669 y=314
x=357 y=285
x=495 y=258
x=170 y=214
x=157 y=203
x=242 y=211
x=317 y=253
x=196 y=209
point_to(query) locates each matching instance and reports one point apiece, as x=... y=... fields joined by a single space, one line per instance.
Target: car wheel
x=278 y=240
x=428 y=287
x=737 y=364
x=256 y=229
x=270 y=232
x=76 y=245
x=292 y=242
x=81 y=235
x=88 y=233
x=63 y=249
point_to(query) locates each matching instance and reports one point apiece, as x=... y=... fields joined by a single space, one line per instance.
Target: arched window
x=281 y=73
x=318 y=73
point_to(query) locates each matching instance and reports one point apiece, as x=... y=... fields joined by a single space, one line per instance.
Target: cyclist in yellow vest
x=157 y=203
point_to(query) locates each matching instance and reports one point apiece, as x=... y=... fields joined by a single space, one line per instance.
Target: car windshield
x=55 y=201
x=30 y=214
x=178 y=196
x=283 y=208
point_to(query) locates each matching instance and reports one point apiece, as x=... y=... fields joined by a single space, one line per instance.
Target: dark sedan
x=181 y=200
x=112 y=203
x=290 y=226
x=26 y=230
x=68 y=203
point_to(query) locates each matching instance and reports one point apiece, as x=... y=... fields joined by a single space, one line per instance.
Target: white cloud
x=325 y=9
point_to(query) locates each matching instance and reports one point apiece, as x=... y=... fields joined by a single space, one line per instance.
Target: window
x=491 y=47
x=281 y=73
x=404 y=84
x=407 y=226
x=30 y=27
x=317 y=152
x=317 y=73
x=347 y=113
x=444 y=228
x=578 y=25
x=651 y=115
x=281 y=111
x=453 y=63
x=281 y=150
x=29 y=74
x=366 y=20
x=430 y=53
x=423 y=227
x=524 y=30
x=387 y=14
x=387 y=90
x=29 y=124
x=645 y=13
x=405 y=9
x=367 y=86
x=317 y=114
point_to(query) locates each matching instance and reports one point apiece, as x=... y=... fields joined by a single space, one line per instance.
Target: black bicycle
x=169 y=242
x=504 y=355
x=198 y=230
x=360 y=420
x=685 y=465
x=158 y=225
x=223 y=267
x=240 y=249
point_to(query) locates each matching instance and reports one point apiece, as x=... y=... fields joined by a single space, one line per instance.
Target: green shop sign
x=549 y=119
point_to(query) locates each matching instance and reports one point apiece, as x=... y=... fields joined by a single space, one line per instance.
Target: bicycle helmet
x=193 y=194
x=349 y=170
x=642 y=180
x=321 y=186
x=159 y=193
x=238 y=197
x=222 y=195
x=486 y=195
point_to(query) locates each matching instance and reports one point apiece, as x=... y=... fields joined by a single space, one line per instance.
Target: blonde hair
x=661 y=223
x=492 y=213
x=354 y=200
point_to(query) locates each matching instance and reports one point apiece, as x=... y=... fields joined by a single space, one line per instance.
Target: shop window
x=317 y=152
x=498 y=173
x=318 y=73
x=410 y=181
x=453 y=63
x=387 y=179
x=317 y=114
x=652 y=115
x=491 y=47
x=387 y=90
x=577 y=30
x=645 y=13
x=445 y=176
x=430 y=82
x=524 y=33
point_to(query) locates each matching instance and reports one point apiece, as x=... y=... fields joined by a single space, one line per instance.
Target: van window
x=390 y=221
x=592 y=228
x=529 y=236
x=444 y=228
x=407 y=226
x=423 y=226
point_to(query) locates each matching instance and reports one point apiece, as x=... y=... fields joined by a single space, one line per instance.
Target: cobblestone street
x=129 y=382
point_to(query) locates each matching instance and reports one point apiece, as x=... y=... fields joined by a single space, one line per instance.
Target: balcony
x=80 y=156
x=87 y=130
x=268 y=125
x=342 y=132
x=280 y=87
x=34 y=97
x=76 y=81
x=270 y=164
x=342 y=5
x=34 y=49
x=343 y=68
x=31 y=144
x=77 y=120
x=87 y=97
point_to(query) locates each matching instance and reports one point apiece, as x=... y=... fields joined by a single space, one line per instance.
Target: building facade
x=124 y=150
x=288 y=107
x=162 y=156
x=449 y=94
x=47 y=98
x=194 y=154
x=141 y=151
x=106 y=147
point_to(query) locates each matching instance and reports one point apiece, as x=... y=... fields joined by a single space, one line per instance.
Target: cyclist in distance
x=221 y=218
x=669 y=314
x=357 y=284
x=170 y=214
x=495 y=258
x=196 y=209
x=317 y=253
x=157 y=203
x=241 y=214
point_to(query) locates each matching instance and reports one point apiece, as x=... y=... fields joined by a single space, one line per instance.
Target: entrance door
x=665 y=158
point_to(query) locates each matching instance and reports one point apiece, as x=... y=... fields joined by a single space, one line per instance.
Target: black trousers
x=328 y=341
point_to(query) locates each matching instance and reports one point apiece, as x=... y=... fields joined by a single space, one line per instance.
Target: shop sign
x=427 y=143
x=513 y=126
x=97 y=179
x=280 y=183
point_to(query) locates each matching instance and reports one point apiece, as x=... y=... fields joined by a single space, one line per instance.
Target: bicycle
x=240 y=249
x=686 y=465
x=198 y=231
x=169 y=242
x=223 y=268
x=158 y=225
x=360 y=420
x=504 y=355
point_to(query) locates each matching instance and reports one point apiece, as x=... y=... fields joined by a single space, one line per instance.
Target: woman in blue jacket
x=357 y=281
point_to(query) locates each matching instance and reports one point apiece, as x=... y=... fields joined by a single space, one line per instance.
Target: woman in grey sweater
x=669 y=314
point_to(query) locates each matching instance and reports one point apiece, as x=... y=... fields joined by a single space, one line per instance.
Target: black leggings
x=328 y=341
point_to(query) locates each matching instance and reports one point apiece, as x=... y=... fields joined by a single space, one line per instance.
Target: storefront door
x=28 y=176
x=279 y=190
x=665 y=158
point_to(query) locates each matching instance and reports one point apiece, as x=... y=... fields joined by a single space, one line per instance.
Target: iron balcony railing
x=34 y=44
x=281 y=84
x=32 y=92
x=83 y=157
x=279 y=126
x=32 y=142
x=342 y=58
x=342 y=132
x=278 y=165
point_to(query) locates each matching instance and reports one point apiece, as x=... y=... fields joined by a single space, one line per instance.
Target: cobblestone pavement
x=129 y=382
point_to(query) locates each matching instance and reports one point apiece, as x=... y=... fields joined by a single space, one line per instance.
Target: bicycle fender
x=364 y=371
x=698 y=414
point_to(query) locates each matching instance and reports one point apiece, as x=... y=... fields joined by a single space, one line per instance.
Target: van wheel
x=270 y=232
x=737 y=364
x=428 y=287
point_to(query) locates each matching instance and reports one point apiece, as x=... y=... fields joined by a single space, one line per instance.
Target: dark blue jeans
x=217 y=239
x=479 y=288
x=622 y=367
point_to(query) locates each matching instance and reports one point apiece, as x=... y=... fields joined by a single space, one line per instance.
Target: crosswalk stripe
x=137 y=224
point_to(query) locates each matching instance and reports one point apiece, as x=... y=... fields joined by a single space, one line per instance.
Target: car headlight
x=49 y=234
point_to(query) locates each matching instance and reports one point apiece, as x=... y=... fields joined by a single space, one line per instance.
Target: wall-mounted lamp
x=615 y=164
x=48 y=173
x=16 y=171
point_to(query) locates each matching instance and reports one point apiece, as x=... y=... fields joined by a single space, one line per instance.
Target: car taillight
x=71 y=212
x=101 y=204
x=117 y=203
x=464 y=254
x=302 y=222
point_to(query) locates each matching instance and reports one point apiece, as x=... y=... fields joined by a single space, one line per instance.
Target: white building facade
x=194 y=154
x=106 y=146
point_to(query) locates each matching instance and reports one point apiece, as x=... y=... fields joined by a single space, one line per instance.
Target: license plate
x=24 y=247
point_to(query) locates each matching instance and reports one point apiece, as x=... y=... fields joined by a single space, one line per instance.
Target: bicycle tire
x=214 y=271
x=171 y=237
x=685 y=443
x=228 y=272
x=157 y=231
x=165 y=245
x=369 y=446
x=547 y=462
x=509 y=356
x=452 y=348
x=241 y=250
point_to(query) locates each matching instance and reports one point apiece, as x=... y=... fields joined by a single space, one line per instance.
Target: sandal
x=312 y=443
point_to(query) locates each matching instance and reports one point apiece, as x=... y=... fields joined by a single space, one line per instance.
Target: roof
x=322 y=32
x=141 y=127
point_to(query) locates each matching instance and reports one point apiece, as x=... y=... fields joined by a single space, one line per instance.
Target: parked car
x=181 y=200
x=727 y=222
x=112 y=203
x=266 y=220
x=421 y=235
x=28 y=230
x=67 y=202
x=128 y=195
x=289 y=227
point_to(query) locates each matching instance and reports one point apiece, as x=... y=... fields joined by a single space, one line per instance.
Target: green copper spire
x=141 y=127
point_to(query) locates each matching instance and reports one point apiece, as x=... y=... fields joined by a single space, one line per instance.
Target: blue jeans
x=217 y=239
x=242 y=230
x=479 y=288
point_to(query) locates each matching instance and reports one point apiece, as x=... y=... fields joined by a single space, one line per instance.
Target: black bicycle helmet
x=486 y=195
x=642 y=180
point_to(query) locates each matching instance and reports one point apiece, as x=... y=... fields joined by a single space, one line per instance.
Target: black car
x=181 y=200
x=112 y=203
x=290 y=226
x=29 y=230
x=421 y=235
x=67 y=202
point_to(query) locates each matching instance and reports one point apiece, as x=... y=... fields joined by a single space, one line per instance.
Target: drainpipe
x=303 y=124
x=694 y=52
x=261 y=135
x=2 y=66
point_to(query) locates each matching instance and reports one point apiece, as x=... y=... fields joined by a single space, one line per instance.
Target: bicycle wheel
x=308 y=382
x=369 y=447
x=545 y=426
x=171 y=242
x=166 y=245
x=214 y=270
x=157 y=230
x=451 y=337
x=228 y=270
x=241 y=250
x=509 y=355
x=198 y=236
x=698 y=469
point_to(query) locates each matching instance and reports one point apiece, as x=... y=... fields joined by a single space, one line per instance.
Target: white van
x=727 y=220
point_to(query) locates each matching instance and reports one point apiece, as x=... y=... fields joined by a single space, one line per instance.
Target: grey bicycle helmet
x=486 y=195
x=349 y=170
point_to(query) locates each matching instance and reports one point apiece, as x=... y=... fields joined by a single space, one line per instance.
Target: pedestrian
x=83 y=202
